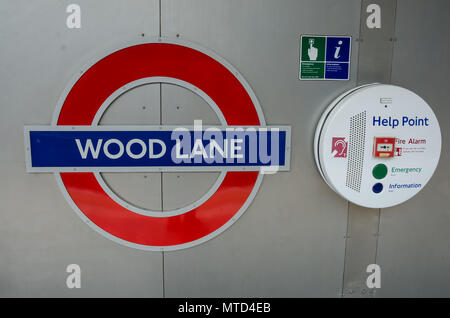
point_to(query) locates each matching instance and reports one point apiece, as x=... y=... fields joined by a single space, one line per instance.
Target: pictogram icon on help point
x=339 y=147
x=324 y=57
x=77 y=149
x=392 y=145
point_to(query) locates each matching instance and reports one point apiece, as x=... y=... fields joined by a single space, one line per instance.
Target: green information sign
x=324 y=57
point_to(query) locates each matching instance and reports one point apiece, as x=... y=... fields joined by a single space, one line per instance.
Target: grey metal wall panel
x=290 y=241
x=138 y=106
x=414 y=252
x=360 y=250
x=182 y=107
x=39 y=233
x=376 y=44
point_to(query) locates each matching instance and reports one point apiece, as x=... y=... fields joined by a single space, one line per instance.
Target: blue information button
x=377 y=187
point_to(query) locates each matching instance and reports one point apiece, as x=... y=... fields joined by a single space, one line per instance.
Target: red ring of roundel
x=167 y=60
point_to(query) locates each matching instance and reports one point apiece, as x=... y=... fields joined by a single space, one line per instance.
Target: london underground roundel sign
x=77 y=149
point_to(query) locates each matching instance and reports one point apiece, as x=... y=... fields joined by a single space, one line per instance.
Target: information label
x=325 y=57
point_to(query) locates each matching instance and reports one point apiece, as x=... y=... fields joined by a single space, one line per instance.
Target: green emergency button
x=379 y=171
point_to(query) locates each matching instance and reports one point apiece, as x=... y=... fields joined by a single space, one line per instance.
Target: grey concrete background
x=291 y=241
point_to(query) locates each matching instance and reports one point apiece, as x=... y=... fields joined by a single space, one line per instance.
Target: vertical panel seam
x=348 y=203
x=393 y=41
x=359 y=42
x=345 y=248
x=390 y=81
x=377 y=235
x=161 y=174
x=376 y=244
x=160 y=23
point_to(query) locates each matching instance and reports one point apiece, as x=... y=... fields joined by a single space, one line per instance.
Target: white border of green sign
x=324 y=60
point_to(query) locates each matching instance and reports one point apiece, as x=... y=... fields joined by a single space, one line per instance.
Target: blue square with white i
x=338 y=49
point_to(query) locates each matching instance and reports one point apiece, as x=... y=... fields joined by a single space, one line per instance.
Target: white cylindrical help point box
x=377 y=145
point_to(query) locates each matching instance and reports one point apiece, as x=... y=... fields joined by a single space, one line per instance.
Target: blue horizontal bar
x=132 y=148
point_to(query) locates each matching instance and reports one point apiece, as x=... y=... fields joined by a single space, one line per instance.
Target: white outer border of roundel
x=102 y=54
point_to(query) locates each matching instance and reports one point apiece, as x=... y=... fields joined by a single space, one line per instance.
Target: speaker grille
x=356 y=151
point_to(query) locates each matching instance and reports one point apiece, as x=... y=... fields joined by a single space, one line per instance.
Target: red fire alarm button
x=384 y=147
